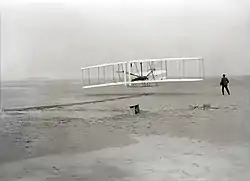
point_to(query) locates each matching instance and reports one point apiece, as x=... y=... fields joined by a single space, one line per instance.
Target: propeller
x=151 y=72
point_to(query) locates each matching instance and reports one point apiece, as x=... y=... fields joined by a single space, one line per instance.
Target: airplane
x=129 y=74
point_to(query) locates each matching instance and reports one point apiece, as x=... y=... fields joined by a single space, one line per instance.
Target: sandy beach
x=172 y=139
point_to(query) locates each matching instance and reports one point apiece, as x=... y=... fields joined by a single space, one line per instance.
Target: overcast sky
x=56 y=39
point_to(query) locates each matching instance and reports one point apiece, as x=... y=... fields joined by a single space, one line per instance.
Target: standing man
x=224 y=83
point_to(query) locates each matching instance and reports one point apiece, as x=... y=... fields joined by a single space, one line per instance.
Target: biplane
x=143 y=73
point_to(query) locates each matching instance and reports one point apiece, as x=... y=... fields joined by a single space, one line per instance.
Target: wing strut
x=141 y=68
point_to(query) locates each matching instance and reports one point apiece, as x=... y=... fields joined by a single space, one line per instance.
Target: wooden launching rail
x=73 y=104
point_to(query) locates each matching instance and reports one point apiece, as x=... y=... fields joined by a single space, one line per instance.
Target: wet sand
x=168 y=140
